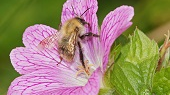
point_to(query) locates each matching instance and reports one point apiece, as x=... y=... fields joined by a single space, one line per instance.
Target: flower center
x=86 y=69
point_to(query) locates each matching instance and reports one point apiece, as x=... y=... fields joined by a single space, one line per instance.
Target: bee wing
x=67 y=49
x=48 y=42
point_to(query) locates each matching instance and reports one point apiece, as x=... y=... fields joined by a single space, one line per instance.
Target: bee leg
x=82 y=67
x=81 y=55
x=89 y=34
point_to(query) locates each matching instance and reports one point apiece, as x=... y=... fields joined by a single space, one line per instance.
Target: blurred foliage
x=17 y=15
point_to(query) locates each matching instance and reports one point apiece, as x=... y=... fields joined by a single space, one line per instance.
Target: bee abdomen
x=66 y=52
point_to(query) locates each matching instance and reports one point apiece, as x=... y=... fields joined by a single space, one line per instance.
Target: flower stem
x=163 y=51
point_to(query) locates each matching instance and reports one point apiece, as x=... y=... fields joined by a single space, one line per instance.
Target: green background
x=151 y=16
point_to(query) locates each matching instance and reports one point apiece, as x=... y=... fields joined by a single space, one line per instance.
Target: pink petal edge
x=26 y=60
x=114 y=24
x=52 y=82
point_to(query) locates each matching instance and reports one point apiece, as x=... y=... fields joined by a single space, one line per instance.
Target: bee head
x=81 y=20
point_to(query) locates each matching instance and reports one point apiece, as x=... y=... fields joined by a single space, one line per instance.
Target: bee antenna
x=74 y=11
x=84 y=12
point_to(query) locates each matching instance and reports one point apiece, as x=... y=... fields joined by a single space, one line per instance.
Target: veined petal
x=33 y=35
x=113 y=25
x=74 y=8
x=27 y=60
x=92 y=52
x=52 y=82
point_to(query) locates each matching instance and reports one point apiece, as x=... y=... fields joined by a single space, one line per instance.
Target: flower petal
x=33 y=35
x=26 y=60
x=74 y=8
x=51 y=82
x=113 y=25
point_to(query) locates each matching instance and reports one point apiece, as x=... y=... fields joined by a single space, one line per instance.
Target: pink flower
x=40 y=73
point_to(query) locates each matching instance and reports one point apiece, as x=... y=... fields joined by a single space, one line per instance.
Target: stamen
x=85 y=70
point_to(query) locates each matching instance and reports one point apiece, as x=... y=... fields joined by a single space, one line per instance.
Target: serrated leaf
x=107 y=91
x=114 y=54
x=161 y=83
x=122 y=39
x=133 y=72
x=116 y=47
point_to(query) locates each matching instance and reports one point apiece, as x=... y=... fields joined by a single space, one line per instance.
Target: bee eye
x=82 y=21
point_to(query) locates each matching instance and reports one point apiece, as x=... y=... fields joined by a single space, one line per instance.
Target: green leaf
x=114 y=54
x=161 y=83
x=116 y=48
x=122 y=39
x=134 y=70
x=107 y=91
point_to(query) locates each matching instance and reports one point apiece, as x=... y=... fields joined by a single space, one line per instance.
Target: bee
x=68 y=38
